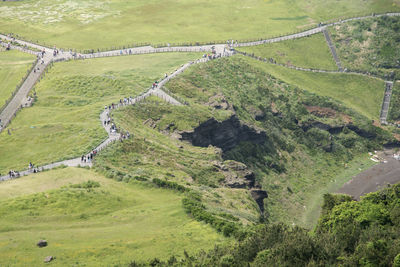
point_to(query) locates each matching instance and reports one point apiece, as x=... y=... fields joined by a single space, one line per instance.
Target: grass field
x=101 y=226
x=13 y=67
x=362 y=94
x=103 y=24
x=64 y=122
x=309 y=52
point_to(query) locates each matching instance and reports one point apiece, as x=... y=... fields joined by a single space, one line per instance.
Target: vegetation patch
x=394 y=109
x=370 y=45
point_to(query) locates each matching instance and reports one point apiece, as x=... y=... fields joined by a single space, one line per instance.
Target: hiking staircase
x=386 y=102
x=333 y=49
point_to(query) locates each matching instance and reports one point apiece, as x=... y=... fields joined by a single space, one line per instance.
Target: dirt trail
x=374 y=178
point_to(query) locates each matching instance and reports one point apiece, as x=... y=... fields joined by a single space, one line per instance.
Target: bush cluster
x=169 y=184
x=192 y=205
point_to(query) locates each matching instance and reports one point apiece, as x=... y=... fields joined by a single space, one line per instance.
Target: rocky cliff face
x=338 y=129
x=237 y=174
x=225 y=135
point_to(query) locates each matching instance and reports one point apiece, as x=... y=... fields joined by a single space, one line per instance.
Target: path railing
x=19 y=85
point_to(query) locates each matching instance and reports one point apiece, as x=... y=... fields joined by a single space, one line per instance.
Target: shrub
x=86 y=185
x=169 y=185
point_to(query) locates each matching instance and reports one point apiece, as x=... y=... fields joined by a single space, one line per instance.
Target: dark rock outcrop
x=42 y=243
x=260 y=115
x=225 y=135
x=259 y=196
x=237 y=174
x=338 y=129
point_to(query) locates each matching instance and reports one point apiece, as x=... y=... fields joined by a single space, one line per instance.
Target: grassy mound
x=103 y=24
x=371 y=45
x=309 y=52
x=90 y=220
x=13 y=67
x=64 y=121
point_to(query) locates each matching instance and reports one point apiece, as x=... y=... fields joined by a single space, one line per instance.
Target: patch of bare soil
x=321 y=112
x=375 y=178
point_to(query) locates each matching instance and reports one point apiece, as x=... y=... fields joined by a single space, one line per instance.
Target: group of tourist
x=32 y=168
x=126 y=52
x=123 y=136
x=88 y=158
x=13 y=174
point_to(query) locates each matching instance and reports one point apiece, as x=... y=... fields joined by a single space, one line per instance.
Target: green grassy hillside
x=97 y=223
x=64 y=122
x=295 y=165
x=102 y=24
x=13 y=67
x=309 y=52
x=360 y=93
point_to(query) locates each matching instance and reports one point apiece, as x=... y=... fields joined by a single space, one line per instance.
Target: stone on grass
x=42 y=243
x=49 y=259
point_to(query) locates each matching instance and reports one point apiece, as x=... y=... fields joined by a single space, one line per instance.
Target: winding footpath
x=221 y=49
x=105 y=115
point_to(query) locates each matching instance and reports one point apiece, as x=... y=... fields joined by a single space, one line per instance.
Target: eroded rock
x=237 y=174
x=259 y=196
x=225 y=135
x=49 y=259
